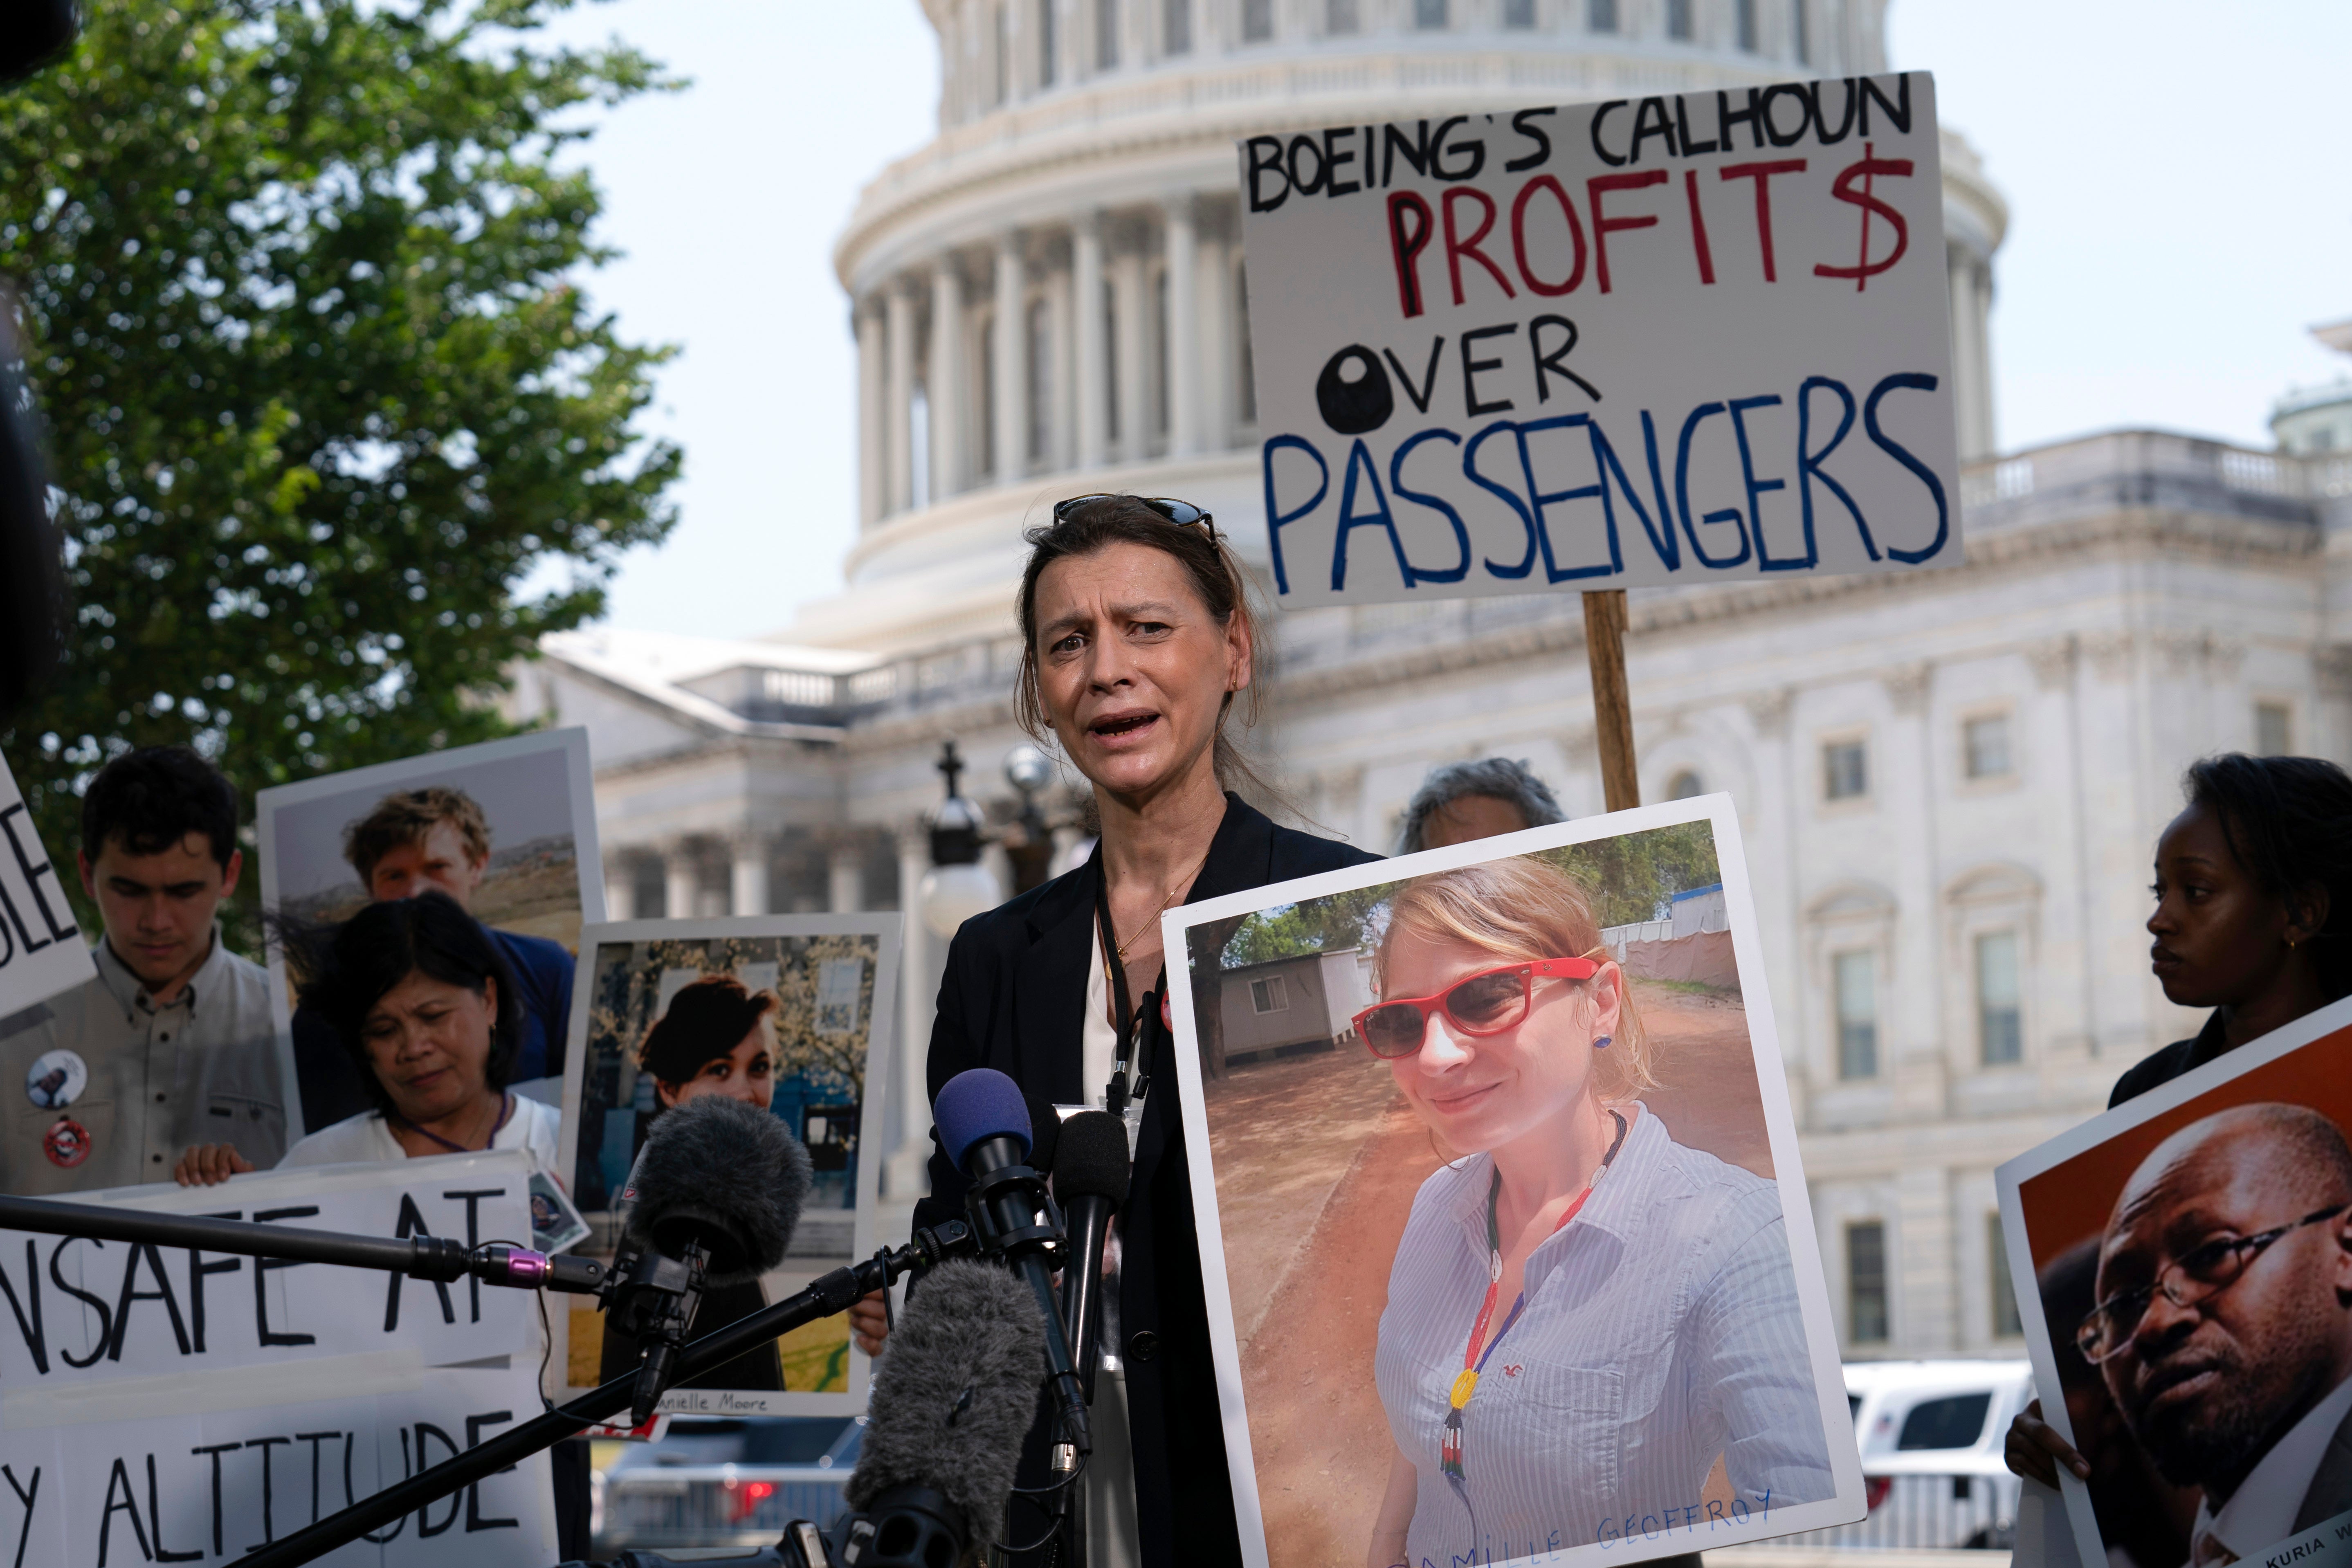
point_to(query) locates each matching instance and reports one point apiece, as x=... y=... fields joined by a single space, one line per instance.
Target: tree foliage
x=295 y=281
x=1629 y=877
x=1331 y=923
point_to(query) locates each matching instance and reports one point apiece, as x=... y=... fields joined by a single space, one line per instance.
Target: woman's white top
x=1098 y=1039
x=1661 y=1330
x=367 y=1139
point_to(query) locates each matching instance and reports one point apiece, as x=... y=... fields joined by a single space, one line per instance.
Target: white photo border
x=1846 y=1507
x=888 y=929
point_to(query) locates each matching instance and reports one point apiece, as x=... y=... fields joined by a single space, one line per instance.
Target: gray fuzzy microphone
x=954 y=1394
x=723 y=1173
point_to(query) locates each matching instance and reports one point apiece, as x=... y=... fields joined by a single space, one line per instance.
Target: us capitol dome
x=1948 y=781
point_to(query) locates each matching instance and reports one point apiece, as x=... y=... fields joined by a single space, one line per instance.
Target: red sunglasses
x=1487 y=1003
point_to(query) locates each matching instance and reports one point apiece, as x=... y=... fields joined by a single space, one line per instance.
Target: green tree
x=1327 y=924
x=1629 y=877
x=296 y=284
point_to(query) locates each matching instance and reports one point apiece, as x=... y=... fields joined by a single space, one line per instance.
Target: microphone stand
x=830 y=1293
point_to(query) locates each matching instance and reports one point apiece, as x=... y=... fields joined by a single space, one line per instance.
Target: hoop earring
x=1600 y=1043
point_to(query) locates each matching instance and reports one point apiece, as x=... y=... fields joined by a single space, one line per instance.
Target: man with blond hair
x=437 y=839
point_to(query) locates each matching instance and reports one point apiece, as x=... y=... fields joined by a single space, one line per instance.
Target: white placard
x=42 y=950
x=1667 y=339
x=208 y=1488
x=77 y=1313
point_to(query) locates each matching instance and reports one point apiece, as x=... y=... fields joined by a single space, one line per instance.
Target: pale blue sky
x=2179 y=217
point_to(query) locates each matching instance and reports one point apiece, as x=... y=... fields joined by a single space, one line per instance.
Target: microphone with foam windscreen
x=713 y=1200
x=726 y=1175
x=983 y=1124
x=953 y=1395
x=1091 y=1179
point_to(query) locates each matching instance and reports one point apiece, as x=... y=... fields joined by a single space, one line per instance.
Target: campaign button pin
x=66 y=1142
x=55 y=1079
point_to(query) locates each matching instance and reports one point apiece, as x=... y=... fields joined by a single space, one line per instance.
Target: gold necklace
x=1131 y=941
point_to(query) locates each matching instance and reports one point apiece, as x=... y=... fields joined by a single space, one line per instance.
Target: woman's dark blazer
x=1014 y=999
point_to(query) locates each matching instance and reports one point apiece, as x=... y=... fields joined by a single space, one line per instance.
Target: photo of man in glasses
x=2223 y=1323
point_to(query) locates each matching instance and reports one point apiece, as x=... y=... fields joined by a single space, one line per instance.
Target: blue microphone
x=982 y=1121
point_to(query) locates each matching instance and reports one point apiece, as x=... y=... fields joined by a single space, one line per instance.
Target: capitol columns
x=1093 y=399
x=1183 y=244
x=747 y=872
x=943 y=386
x=1130 y=352
x=1972 y=358
x=1011 y=392
x=620 y=889
x=898 y=457
x=872 y=403
x=845 y=877
x=681 y=880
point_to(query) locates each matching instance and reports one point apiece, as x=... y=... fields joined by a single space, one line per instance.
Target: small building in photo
x=1285 y=1007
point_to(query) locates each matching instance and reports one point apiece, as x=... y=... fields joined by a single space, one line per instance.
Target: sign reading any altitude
x=1636 y=342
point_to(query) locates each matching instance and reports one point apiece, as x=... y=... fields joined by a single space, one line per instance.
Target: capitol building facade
x=1949 y=782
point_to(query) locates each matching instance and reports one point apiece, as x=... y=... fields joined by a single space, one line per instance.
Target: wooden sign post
x=1613 y=709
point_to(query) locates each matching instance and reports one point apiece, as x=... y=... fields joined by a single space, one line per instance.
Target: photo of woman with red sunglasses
x=1589 y=1324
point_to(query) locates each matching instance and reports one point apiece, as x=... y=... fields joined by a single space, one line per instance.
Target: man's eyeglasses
x=2197 y=1275
x=1487 y=1003
x=1183 y=513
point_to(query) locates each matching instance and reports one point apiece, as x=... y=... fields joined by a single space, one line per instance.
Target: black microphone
x=983 y=1124
x=713 y=1200
x=953 y=1396
x=1090 y=1183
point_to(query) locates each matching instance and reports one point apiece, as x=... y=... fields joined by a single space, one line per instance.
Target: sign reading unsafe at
x=1644 y=342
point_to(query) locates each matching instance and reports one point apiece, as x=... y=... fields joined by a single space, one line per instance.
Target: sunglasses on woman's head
x=1487 y=1003
x=1183 y=513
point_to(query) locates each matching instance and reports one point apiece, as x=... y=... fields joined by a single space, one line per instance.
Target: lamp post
x=1030 y=845
x=958 y=885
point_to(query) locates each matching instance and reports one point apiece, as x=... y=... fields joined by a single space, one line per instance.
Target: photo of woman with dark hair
x=1587 y=1319
x=714 y=1037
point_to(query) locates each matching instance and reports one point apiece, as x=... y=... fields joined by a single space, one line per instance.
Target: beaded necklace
x=1474 y=1361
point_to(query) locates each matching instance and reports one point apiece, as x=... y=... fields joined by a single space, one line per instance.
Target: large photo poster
x=1508 y=1252
x=2191 y=1323
x=790 y=1012
x=507 y=829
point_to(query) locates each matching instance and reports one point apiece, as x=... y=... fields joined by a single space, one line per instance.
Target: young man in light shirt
x=171 y=1043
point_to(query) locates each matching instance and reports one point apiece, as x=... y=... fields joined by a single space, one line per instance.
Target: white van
x=1931 y=1433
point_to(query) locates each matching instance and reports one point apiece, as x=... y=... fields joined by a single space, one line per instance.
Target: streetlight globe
x=1027 y=769
x=954 y=894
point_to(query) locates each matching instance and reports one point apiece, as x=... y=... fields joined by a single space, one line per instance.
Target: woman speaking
x=1137 y=641
x=1588 y=1324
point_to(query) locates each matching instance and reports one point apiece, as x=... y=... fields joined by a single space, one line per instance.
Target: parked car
x=724 y=1483
x=1931 y=1433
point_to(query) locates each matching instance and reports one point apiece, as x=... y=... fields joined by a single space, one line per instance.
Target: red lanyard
x=1474 y=1361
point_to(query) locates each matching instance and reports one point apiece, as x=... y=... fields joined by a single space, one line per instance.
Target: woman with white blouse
x=418 y=996
x=1592 y=1331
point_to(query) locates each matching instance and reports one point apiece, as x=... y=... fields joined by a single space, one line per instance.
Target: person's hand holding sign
x=209 y=1164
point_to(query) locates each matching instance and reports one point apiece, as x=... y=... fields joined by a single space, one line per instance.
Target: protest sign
x=1384 y=1075
x=791 y=1013
x=2184 y=1264
x=199 y=1475
x=1676 y=339
x=508 y=828
x=77 y=1313
x=42 y=952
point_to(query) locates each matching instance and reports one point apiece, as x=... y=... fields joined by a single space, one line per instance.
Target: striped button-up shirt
x=1661 y=1331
